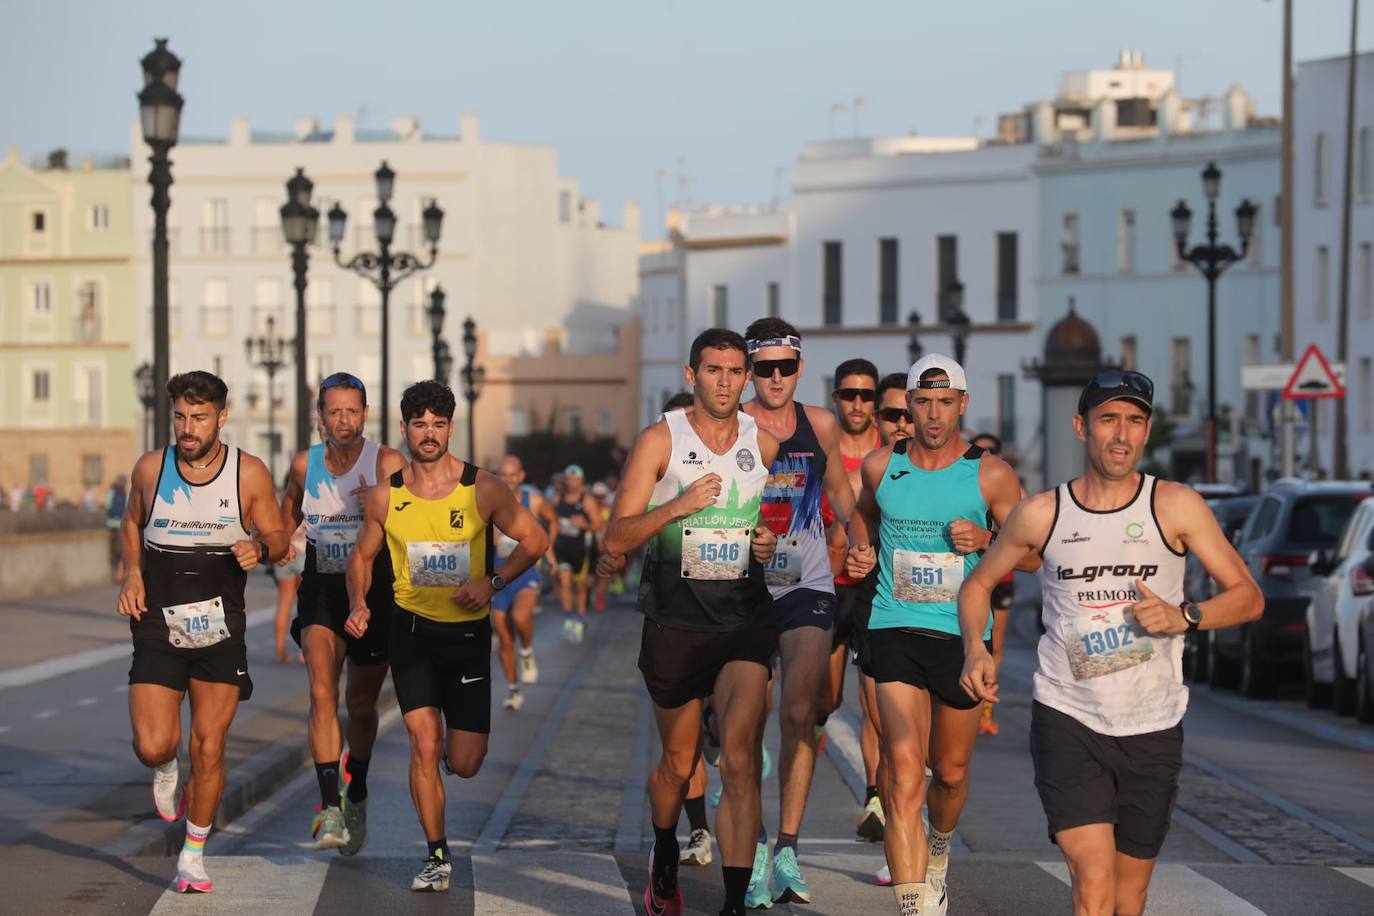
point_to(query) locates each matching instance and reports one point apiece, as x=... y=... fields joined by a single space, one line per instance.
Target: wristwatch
x=1192 y=614
x=497 y=582
x=262 y=552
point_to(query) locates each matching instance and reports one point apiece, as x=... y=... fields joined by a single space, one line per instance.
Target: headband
x=791 y=340
x=934 y=383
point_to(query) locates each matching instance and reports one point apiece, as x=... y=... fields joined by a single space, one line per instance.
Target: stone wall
x=53 y=561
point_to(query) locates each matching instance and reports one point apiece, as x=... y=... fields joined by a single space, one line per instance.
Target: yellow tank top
x=436 y=546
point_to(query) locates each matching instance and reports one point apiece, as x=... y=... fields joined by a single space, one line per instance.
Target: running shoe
x=698 y=851
x=170 y=803
x=788 y=884
x=873 y=822
x=662 y=899
x=514 y=699
x=715 y=796
x=328 y=829
x=759 y=894
x=884 y=877
x=579 y=631
x=819 y=740
x=529 y=671
x=434 y=876
x=767 y=767
x=937 y=879
x=191 y=876
x=355 y=824
x=568 y=629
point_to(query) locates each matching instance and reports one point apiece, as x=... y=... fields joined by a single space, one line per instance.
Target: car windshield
x=1320 y=520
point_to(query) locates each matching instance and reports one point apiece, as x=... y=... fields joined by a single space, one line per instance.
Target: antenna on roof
x=858 y=104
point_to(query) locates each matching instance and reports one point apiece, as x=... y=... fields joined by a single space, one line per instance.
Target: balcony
x=216 y=320
x=319 y=321
x=268 y=240
x=86 y=327
x=369 y=320
x=214 y=239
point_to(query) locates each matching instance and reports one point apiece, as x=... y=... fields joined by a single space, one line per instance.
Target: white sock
x=939 y=843
x=526 y=653
x=194 y=847
x=167 y=769
x=909 y=897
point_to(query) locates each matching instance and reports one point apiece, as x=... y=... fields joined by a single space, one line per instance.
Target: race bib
x=568 y=528
x=926 y=578
x=331 y=555
x=438 y=563
x=784 y=570
x=1104 y=643
x=715 y=553
x=197 y=624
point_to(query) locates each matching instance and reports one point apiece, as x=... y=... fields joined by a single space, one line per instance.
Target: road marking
x=555 y=881
x=3 y=729
x=1180 y=891
x=45 y=714
x=88 y=701
x=56 y=667
x=249 y=884
x=1362 y=875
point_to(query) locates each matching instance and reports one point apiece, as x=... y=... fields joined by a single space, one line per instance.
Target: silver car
x=1335 y=644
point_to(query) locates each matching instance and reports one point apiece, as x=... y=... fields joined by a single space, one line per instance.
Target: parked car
x=1292 y=519
x=1334 y=642
x=1230 y=513
x=1364 y=657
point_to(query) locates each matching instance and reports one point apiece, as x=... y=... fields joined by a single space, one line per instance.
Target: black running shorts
x=443 y=665
x=682 y=665
x=160 y=663
x=323 y=601
x=805 y=607
x=1087 y=778
x=571 y=553
x=847 y=599
x=919 y=658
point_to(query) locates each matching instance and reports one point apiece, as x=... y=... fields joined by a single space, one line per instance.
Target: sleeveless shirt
x=792 y=509
x=333 y=514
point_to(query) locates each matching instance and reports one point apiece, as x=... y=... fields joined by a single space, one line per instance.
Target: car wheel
x=1318 y=695
x=1256 y=675
x=1343 y=690
x=1364 y=687
x=1221 y=671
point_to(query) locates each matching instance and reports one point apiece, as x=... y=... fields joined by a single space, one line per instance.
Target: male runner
x=325 y=490
x=187 y=552
x=1002 y=595
x=1106 y=737
x=573 y=514
x=436 y=520
x=691 y=490
x=799 y=579
x=513 y=606
x=928 y=497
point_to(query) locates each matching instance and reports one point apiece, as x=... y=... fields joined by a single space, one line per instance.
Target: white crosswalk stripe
x=250 y=884
x=1180 y=891
x=517 y=883
x=1362 y=875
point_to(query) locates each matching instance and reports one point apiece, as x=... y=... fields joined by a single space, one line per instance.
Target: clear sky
x=624 y=88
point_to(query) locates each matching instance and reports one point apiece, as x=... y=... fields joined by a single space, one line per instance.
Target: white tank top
x=1095 y=665
x=333 y=514
x=202 y=515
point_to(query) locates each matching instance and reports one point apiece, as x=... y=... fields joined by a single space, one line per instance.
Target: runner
x=436 y=520
x=187 y=553
x=325 y=491
x=691 y=490
x=1113 y=542
x=602 y=495
x=513 y=606
x=287 y=575
x=928 y=497
x=799 y=579
x=1002 y=595
x=573 y=515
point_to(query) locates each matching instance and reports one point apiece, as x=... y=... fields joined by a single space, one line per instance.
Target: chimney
x=343 y=129
x=240 y=132
x=468 y=127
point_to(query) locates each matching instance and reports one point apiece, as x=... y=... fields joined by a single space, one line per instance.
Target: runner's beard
x=849 y=427
x=205 y=448
x=422 y=458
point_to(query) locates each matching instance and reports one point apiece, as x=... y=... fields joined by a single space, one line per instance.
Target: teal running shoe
x=788 y=884
x=759 y=894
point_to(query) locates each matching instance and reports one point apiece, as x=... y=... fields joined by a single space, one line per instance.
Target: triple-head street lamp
x=299 y=221
x=268 y=353
x=957 y=319
x=473 y=377
x=384 y=268
x=1211 y=260
x=147 y=395
x=159 y=106
x=443 y=357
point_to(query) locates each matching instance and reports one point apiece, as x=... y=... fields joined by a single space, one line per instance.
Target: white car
x=1334 y=638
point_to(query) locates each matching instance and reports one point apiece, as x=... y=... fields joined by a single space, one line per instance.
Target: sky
x=633 y=93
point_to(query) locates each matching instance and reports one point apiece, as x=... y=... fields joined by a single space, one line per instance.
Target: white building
x=1319 y=181
x=522 y=251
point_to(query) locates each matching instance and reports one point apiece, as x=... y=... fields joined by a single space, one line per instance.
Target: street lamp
x=473 y=377
x=438 y=346
x=159 y=106
x=957 y=319
x=1212 y=260
x=298 y=223
x=147 y=395
x=384 y=268
x=268 y=352
x=913 y=344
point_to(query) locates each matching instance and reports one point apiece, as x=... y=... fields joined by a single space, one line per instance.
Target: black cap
x=1117 y=384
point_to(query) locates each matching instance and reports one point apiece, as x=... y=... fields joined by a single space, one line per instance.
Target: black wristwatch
x=1192 y=614
x=262 y=552
x=497 y=583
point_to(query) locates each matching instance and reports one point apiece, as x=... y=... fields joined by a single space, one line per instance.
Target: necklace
x=201 y=467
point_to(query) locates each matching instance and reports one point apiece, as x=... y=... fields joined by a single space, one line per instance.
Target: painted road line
x=1180 y=891
x=45 y=714
x=88 y=701
x=250 y=884
x=1362 y=875
x=56 y=667
x=519 y=883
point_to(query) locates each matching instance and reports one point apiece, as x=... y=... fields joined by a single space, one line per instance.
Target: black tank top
x=569 y=535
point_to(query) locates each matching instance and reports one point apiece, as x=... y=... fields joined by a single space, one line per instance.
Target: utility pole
x=1286 y=409
x=1340 y=462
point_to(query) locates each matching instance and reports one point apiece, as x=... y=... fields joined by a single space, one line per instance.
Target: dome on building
x=1072 y=341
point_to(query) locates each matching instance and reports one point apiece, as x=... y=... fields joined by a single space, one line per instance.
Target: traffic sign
x=1275 y=376
x=1313 y=378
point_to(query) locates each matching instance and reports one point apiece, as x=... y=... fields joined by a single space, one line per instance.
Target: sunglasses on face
x=894 y=415
x=867 y=395
x=764 y=368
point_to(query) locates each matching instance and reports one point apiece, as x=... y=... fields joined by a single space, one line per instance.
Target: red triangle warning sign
x=1313 y=378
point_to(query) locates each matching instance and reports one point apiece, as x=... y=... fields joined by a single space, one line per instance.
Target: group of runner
x=779 y=536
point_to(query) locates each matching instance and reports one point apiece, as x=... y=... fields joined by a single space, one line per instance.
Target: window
x=720 y=306
x=100 y=218
x=88 y=406
x=1322 y=267
x=573 y=416
x=1007 y=281
x=41 y=299
x=92 y=470
x=1366 y=396
x=565 y=206
x=1319 y=169
x=1006 y=408
x=214 y=226
x=1125 y=242
x=1364 y=171
x=518 y=423
x=887 y=281
x=321 y=367
x=832 y=282
x=946 y=271
x=1261 y=521
x=1068 y=244
x=773 y=305
x=38 y=222
x=214 y=310
x=1128 y=352
x=319 y=308
x=1365 y=274
x=1254 y=256
x=1252 y=357
x=267 y=304
x=87 y=323
x=40 y=386
x=267 y=233
x=1181 y=383
x=603 y=423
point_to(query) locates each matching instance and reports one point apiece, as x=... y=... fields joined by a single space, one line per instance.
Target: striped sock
x=194 y=847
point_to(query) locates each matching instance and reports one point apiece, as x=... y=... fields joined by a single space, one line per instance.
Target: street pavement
x=1275 y=811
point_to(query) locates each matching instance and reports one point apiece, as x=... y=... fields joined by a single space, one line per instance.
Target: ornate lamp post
x=147 y=396
x=299 y=221
x=473 y=377
x=1212 y=259
x=958 y=321
x=384 y=268
x=438 y=347
x=913 y=344
x=159 y=106
x=268 y=353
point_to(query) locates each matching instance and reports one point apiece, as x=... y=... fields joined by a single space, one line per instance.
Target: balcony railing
x=216 y=320
x=268 y=240
x=369 y=320
x=214 y=239
x=86 y=328
x=319 y=320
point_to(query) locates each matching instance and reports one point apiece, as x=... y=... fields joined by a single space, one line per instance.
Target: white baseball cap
x=939 y=361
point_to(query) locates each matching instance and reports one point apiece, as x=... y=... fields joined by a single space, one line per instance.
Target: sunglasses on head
x=764 y=368
x=1128 y=379
x=894 y=415
x=861 y=394
x=342 y=380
